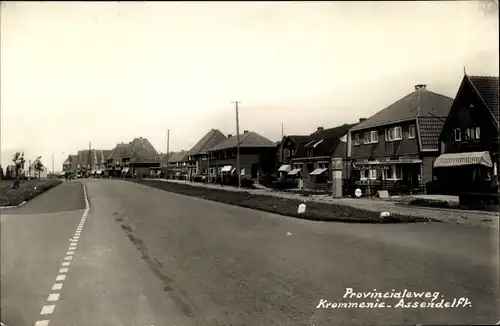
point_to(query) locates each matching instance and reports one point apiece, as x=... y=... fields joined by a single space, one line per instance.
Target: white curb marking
x=63 y=270
x=68 y=258
x=69 y=253
x=42 y=323
x=66 y=263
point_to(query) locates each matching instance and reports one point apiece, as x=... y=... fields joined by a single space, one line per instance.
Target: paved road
x=148 y=257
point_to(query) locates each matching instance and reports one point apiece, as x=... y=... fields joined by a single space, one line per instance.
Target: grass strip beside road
x=284 y=206
x=28 y=189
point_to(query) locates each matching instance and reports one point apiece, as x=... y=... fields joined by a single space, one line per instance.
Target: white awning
x=285 y=168
x=98 y=172
x=317 y=171
x=294 y=171
x=463 y=159
x=226 y=168
x=125 y=170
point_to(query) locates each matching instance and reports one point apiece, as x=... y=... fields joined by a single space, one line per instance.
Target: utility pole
x=53 y=164
x=238 y=144
x=282 y=131
x=90 y=159
x=168 y=152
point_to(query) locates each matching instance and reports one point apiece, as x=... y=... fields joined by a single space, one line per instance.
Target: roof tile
x=248 y=139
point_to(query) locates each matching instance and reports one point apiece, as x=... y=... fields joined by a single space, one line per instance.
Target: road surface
x=148 y=257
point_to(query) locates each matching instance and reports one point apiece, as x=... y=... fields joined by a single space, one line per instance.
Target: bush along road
x=284 y=206
x=27 y=190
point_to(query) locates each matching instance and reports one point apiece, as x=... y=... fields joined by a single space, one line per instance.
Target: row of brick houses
x=420 y=141
x=136 y=158
x=214 y=155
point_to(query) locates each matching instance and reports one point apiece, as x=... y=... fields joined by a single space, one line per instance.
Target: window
x=356 y=139
x=393 y=134
x=458 y=134
x=371 y=137
x=369 y=174
x=287 y=152
x=395 y=172
x=472 y=133
x=411 y=132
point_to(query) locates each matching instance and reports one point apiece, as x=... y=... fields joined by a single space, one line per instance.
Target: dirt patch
x=284 y=206
x=27 y=190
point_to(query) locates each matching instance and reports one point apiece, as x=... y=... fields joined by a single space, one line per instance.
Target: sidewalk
x=445 y=215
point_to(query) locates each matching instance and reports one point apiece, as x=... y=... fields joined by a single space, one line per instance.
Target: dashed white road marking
x=49 y=309
x=53 y=297
x=60 y=277
x=57 y=286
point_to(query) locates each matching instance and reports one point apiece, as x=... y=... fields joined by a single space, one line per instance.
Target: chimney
x=421 y=87
x=245 y=132
x=362 y=119
x=229 y=136
x=320 y=128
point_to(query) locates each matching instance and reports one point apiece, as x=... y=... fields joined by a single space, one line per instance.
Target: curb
x=21 y=204
x=451 y=210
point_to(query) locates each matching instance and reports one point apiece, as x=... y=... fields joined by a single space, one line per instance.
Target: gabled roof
x=297 y=139
x=248 y=139
x=487 y=88
x=326 y=140
x=105 y=154
x=406 y=108
x=141 y=150
x=35 y=162
x=84 y=157
x=120 y=151
x=207 y=142
x=429 y=131
x=178 y=156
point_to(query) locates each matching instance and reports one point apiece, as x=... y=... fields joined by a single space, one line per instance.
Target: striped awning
x=285 y=168
x=463 y=159
x=318 y=171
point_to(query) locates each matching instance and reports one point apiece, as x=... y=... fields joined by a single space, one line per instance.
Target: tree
x=38 y=166
x=19 y=162
x=8 y=173
x=2 y=176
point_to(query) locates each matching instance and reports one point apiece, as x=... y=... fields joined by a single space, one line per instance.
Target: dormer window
x=458 y=134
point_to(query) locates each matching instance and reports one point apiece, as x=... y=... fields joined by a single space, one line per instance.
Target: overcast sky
x=74 y=73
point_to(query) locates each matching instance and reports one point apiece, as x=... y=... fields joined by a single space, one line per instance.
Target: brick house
x=142 y=158
x=286 y=151
x=313 y=157
x=222 y=157
x=470 y=139
x=178 y=167
x=395 y=148
x=118 y=160
x=198 y=157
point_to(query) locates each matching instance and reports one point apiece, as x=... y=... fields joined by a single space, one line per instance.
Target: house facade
x=312 y=161
x=287 y=150
x=222 y=157
x=469 y=140
x=395 y=148
x=198 y=157
x=178 y=168
x=118 y=160
x=142 y=158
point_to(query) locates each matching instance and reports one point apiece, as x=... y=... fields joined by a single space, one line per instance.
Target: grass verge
x=451 y=205
x=284 y=206
x=28 y=189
